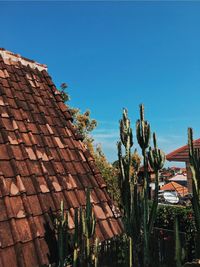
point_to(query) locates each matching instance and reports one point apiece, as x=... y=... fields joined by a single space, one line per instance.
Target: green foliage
x=165 y=219
x=84 y=124
x=166 y=215
x=65 y=96
x=109 y=173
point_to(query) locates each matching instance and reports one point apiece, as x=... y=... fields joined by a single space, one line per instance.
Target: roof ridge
x=6 y=54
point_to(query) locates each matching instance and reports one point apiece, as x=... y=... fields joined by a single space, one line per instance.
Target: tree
x=85 y=125
x=109 y=172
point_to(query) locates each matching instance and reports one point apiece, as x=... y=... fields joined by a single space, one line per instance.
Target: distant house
x=182 y=155
x=180 y=179
x=175 y=187
x=42 y=161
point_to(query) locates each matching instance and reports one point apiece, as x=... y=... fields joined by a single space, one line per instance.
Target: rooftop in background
x=182 y=154
x=42 y=162
x=178 y=177
x=173 y=186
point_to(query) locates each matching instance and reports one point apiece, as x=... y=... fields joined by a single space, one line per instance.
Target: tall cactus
x=143 y=134
x=125 y=184
x=138 y=219
x=194 y=156
x=156 y=159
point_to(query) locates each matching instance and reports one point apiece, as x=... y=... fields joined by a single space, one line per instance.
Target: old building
x=42 y=162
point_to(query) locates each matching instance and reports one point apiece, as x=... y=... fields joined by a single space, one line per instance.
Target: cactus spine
x=194 y=156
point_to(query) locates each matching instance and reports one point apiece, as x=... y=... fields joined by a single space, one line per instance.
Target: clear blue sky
x=115 y=55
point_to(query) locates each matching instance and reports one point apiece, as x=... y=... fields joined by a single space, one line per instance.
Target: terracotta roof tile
x=6 y=238
x=8 y=257
x=42 y=162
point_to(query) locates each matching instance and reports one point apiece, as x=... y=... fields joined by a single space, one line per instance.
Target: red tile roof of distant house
x=182 y=153
x=42 y=161
x=173 y=186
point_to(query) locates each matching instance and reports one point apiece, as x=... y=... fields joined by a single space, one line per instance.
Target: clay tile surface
x=42 y=162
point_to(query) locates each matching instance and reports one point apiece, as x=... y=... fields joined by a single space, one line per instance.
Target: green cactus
x=137 y=221
x=126 y=187
x=143 y=134
x=194 y=156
